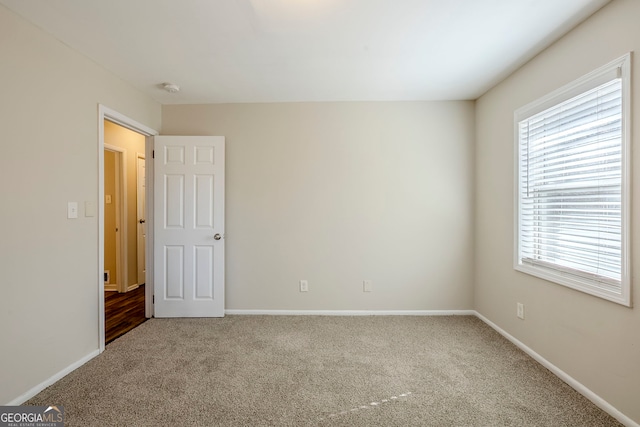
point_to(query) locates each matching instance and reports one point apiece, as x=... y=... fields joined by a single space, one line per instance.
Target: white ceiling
x=221 y=51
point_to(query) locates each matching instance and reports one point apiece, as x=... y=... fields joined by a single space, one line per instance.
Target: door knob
x=217 y=236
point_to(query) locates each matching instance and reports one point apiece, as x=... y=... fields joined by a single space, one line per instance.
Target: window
x=572 y=184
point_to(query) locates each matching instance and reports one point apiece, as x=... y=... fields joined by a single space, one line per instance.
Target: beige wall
x=595 y=341
x=336 y=193
x=110 y=223
x=134 y=144
x=49 y=137
x=333 y=193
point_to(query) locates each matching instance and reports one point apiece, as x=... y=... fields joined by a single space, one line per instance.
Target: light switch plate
x=89 y=209
x=72 y=210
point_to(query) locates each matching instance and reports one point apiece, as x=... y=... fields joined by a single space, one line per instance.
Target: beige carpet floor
x=312 y=370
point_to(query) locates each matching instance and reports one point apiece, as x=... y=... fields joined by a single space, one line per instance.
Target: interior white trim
x=141 y=253
x=106 y=113
x=352 y=312
x=621 y=68
x=149 y=309
x=120 y=196
x=124 y=121
x=579 y=387
x=46 y=383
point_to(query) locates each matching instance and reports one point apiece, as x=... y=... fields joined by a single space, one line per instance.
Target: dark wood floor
x=123 y=312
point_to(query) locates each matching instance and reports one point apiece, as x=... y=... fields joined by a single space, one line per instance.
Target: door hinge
x=153 y=154
x=153 y=299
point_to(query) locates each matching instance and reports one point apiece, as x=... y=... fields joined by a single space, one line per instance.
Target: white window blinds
x=571 y=187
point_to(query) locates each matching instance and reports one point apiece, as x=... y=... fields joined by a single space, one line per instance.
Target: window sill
x=584 y=285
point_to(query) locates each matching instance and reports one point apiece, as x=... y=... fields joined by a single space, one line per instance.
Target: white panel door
x=189 y=226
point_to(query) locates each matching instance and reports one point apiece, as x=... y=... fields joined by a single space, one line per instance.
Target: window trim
x=622 y=67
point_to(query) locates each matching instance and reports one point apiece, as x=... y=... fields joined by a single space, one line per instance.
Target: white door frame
x=140 y=226
x=105 y=113
x=120 y=200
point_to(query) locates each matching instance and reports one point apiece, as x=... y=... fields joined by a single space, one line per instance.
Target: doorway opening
x=124 y=208
x=113 y=215
x=126 y=282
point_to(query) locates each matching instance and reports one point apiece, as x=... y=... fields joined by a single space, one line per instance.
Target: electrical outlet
x=367 y=286
x=520 y=310
x=304 y=286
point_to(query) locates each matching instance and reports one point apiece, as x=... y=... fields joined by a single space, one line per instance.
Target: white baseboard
x=132 y=287
x=579 y=387
x=110 y=287
x=352 y=312
x=37 y=389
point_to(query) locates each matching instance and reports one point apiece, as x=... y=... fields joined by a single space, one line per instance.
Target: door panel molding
x=189 y=218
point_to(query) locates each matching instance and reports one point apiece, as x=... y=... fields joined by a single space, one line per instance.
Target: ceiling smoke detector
x=171 y=88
